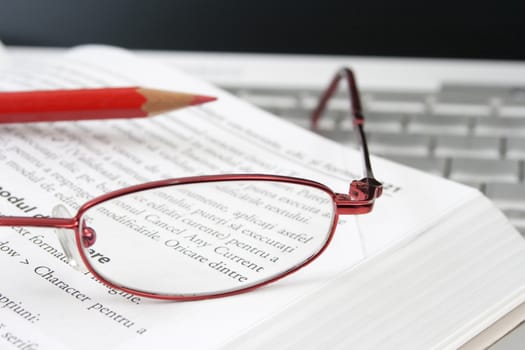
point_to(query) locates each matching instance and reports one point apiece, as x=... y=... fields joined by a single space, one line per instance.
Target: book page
x=44 y=301
x=436 y=293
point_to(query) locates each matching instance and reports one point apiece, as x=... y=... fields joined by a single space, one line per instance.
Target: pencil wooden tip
x=200 y=99
x=161 y=101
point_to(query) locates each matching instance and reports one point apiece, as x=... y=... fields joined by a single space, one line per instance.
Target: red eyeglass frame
x=359 y=200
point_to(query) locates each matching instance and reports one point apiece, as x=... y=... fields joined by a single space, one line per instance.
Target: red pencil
x=82 y=104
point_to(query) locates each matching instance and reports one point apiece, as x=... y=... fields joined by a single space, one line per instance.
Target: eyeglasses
x=210 y=236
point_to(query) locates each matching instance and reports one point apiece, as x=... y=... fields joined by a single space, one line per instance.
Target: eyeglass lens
x=207 y=238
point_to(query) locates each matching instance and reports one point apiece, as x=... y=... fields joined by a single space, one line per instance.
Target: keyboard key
x=513 y=106
x=438 y=125
x=467 y=146
x=444 y=107
x=468 y=102
x=378 y=122
x=512 y=111
x=434 y=166
x=396 y=101
x=481 y=90
x=345 y=137
x=331 y=119
x=401 y=96
x=399 y=144
x=341 y=104
x=296 y=116
x=515 y=148
x=501 y=126
x=327 y=123
x=484 y=170
x=507 y=196
x=510 y=98
x=463 y=98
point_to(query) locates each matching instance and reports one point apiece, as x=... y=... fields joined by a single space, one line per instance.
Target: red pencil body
x=54 y=105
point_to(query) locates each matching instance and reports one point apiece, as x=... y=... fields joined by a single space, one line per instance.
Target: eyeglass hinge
x=365 y=189
x=361 y=196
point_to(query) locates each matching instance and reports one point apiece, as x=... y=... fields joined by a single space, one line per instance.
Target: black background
x=385 y=28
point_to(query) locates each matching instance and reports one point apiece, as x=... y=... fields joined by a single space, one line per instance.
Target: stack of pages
x=433 y=266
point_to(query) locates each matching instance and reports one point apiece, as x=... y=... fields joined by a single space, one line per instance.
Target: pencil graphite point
x=200 y=99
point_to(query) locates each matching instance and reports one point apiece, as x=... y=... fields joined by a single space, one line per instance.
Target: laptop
x=443 y=85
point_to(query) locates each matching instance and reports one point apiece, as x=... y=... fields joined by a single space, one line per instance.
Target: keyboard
x=473 y=134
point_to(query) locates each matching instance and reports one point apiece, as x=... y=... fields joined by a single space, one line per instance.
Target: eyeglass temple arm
x=38 y=222
x=367 y=188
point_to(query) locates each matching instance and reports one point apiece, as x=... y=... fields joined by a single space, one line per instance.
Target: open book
x=431 y=267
